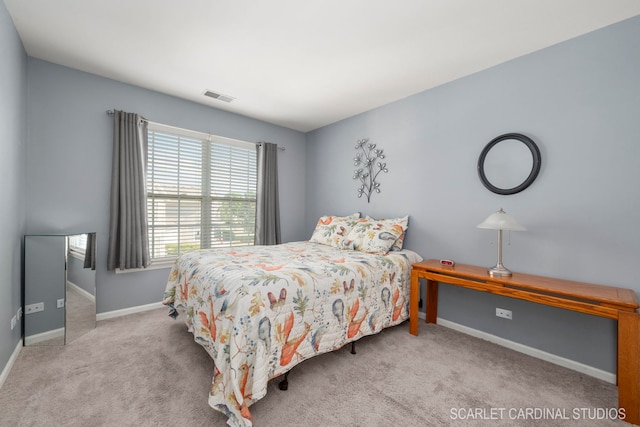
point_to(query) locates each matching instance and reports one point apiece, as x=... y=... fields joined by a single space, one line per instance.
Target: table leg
x=413 y=303
x=432 y=301
x=629 y=365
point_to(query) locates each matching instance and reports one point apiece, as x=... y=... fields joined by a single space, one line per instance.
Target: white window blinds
x=201 y=191
x=78 y=244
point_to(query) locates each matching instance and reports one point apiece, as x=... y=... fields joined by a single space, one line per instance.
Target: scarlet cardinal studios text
x=537 y=414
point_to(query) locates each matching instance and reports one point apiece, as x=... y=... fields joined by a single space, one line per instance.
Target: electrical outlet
x=14 y=322
x=501 y=312
x=34 y=308
x=60 y=303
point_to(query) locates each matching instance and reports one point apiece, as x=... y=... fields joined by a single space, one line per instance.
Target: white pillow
x=331 y=230
x=373 y=237
x=402 y=222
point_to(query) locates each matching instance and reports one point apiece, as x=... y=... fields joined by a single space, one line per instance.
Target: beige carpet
x=80 y=316
x=146 y=370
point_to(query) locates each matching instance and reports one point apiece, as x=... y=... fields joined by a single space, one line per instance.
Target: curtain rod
x=112 y=112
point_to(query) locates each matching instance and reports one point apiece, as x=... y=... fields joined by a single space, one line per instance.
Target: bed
x=260 y=310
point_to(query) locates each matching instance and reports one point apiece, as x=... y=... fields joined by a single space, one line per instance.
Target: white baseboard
x=82 y=292
x=44 y=336
x=530 y=351
x=130 y=310
x=10 y=362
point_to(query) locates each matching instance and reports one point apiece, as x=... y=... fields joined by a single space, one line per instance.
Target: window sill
x=154 y=266
x=76 y=254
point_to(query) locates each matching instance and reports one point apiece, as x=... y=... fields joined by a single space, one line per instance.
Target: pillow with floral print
x=331 y=230
x=372 y=236
x=402 y=222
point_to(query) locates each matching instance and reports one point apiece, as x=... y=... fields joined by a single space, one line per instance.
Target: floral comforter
x=260 y=310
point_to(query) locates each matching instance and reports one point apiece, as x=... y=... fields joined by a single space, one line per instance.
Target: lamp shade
x=501 y=221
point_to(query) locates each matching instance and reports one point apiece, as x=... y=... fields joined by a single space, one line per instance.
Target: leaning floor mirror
x=59 y=287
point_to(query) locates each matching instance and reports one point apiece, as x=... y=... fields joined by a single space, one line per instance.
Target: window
x=78 y=245
x=201 y=191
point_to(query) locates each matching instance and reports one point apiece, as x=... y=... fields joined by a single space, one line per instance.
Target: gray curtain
x=90 y=252
x=128 y=235
x=267 y=204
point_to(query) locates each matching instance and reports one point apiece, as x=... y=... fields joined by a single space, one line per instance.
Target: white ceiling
x=301 y=64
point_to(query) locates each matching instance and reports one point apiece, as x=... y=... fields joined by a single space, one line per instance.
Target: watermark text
x=533 y=413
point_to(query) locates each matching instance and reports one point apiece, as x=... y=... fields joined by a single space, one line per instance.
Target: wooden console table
x=605 y=301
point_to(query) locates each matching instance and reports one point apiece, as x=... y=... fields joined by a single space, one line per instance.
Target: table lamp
x=500 y=221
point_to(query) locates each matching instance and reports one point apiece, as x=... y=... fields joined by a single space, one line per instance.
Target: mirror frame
x=535 y=168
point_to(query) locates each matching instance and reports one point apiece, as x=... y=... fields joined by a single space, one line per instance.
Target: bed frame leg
x=284 y=384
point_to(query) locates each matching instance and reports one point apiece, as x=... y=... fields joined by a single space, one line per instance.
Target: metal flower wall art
x=369 y=158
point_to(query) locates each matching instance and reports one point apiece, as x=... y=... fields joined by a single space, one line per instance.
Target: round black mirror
x=509 y=163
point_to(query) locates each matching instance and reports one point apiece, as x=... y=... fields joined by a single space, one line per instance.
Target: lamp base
x=499 y=271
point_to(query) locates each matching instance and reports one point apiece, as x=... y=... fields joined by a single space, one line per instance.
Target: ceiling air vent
x=218 y=96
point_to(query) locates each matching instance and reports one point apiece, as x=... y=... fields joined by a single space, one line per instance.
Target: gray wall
x=68 y=125
x=580 y=102
x=84 y=278
x=13 y=140
x=44 y=278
